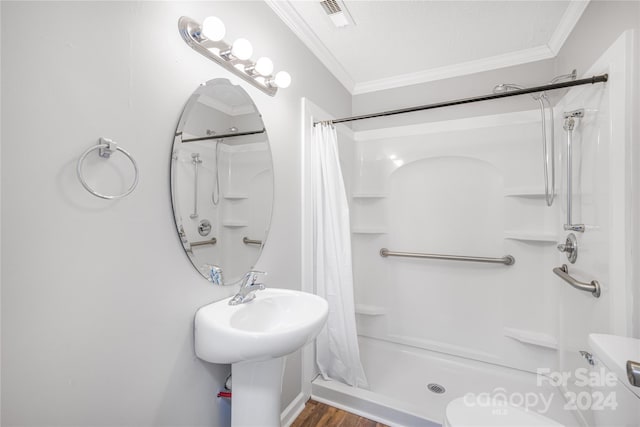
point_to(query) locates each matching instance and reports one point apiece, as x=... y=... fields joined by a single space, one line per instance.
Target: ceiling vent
x=337 y=11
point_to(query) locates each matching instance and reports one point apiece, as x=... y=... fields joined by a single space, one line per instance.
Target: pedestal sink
x=254 y=338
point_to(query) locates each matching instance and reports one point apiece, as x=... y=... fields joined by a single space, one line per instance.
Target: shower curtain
x=337 y=352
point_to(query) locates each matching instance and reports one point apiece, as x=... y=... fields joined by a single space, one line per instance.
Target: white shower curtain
x=337 y=352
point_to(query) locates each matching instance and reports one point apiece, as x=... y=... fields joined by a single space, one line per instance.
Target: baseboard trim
x=292 y=411
x=359 y=402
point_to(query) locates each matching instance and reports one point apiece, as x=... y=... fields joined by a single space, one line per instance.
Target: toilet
x=462 y=413
x=609 y=356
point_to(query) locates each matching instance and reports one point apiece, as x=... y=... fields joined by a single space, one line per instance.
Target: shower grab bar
x=569 y=125
x=248 y=241
x=593 y=287
x=506 y=260
x=212 y=241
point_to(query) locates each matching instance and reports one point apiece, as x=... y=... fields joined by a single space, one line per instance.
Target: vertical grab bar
x=569 y=126
x=196 y=161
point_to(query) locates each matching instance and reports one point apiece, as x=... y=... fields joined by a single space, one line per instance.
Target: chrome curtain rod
x=228 y=135
x=590 y=80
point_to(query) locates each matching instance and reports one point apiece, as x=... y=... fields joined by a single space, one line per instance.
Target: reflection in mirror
x=221 y=181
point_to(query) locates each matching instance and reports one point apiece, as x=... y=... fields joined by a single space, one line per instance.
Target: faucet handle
x=251 y=276
x=570 y=247
x=633 y=373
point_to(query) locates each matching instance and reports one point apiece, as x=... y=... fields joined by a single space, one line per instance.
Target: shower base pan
x=412 y=387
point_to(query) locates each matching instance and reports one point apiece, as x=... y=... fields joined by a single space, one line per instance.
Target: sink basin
x=277 y=322
x=254 y=337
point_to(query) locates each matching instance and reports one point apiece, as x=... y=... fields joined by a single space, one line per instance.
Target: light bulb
x=282 y=79
x=264 y=66
x=242 y=49
x=213 y=28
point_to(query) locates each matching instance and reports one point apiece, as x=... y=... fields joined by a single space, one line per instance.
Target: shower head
x=505 y=87
x=571 y=76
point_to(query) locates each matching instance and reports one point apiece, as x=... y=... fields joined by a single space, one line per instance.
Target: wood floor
x=316 y=414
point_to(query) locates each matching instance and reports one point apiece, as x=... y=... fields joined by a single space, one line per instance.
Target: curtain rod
x=590 y=80
x=228 y=135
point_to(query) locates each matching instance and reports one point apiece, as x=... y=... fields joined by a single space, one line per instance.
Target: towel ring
x=105 y=148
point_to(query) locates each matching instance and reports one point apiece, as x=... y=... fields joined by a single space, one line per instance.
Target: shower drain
x=436 y=388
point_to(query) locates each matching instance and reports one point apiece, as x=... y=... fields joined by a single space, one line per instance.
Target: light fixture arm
x=191 y=32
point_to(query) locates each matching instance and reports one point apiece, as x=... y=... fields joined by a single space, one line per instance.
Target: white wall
x=600 y=25
x=448 y=89
x=98 y=296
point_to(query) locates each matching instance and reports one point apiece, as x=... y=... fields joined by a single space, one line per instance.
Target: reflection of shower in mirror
x=196 y=162
x=223 y=155
x=215 y=194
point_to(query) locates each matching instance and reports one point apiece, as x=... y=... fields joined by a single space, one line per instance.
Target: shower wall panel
x=601 y=196
x=469 y=187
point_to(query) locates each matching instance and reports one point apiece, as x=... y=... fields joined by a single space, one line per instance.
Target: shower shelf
x=532 y=236
x=530 y=337
x=236 y=196
x=369 y=196
x=368 y=230
x=370 y=310
x=529 y=192
x=235 y=224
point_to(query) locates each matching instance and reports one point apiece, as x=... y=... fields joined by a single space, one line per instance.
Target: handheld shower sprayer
x=547 y=154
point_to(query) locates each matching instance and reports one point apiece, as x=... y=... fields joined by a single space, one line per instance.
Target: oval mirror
x=221 y=181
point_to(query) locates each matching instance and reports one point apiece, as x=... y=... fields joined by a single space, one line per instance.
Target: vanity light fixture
x=207 y=39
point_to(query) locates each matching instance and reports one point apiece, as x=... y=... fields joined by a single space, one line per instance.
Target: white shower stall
x=432 y=330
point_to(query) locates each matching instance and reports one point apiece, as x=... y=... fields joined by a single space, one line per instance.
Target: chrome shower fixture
x=207 y=39
x=569 y=126
x=548 y=155
x=571 y=76
x=570 y=247
x=505 y=87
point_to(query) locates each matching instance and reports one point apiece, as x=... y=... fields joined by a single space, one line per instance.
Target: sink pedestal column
x=257 y=387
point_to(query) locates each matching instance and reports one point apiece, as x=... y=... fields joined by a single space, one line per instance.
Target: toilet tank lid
x=614 y=351
x=460 y=413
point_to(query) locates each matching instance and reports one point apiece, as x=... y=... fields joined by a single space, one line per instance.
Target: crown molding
x=227 y=109
x=485 y=64
x=287 y=13
x=568 y=21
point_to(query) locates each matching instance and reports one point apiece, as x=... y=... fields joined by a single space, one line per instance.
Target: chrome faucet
x=248 y=288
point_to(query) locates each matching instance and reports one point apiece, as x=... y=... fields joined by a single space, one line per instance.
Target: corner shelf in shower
x=368 y=230
x=532 y=236
x=235 y=224
x=369 y=196
x=528 y=192
x=530 y=337
x=236 y=196
x=370 y=310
